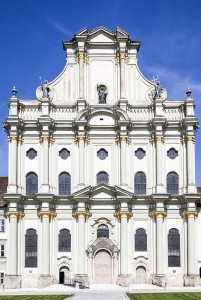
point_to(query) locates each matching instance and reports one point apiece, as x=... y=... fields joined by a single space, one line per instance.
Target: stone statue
x=158 y=90
x=102 y=94
x=45 y=89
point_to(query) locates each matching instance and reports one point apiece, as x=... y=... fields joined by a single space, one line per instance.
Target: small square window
x=2 y=225
x=2 y=250
x=1 y=277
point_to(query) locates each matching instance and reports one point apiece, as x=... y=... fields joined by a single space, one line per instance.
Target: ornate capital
x=47 y=214
x=15 y=214
x=84 y=214
x=157 y=214
x=190 y=138
x=157 y=138
x=123 y=214
x=44 y=138
x=12 y=138
x=82 y=138
x=122 y=55
x=81 y=55
x=125 y=138
x=189 y=214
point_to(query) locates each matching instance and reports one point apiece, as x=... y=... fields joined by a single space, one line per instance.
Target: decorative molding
x=85 y=214
x=190 y=138
x=48 y=214
x=81 y=55
x=156 y=214
x=125 y=138
x=82 y=138
x=121 y=55
x=157 y=138
x=19 y=215
x=120 y=214
x=12 y=138
x=44 y=138
x=187 y=214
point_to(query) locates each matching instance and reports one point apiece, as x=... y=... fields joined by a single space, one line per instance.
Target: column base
x=82 y=278
x=159 y=280
x=45 y=280
x=12 y=282
x=124 y=279
x=192 y=280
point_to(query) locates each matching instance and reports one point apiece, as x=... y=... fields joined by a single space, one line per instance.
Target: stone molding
x=123 y=214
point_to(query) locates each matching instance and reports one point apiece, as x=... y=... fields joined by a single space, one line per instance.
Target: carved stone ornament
x=44 y=92
x=103 y=243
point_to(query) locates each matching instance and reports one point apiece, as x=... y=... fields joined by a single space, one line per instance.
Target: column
x=159 y=244
x=190 y=216
x=45 y=219
x=81 y=141
x=45 y=184
x=123 y=160
x=13 y=243
x=81 y=74
x=90 y=266
x=13 y=165
x=159 y=164
x=190 y=163
x=122 y=75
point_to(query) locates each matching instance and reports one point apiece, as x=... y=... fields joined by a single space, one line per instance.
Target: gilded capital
x=85 y=139
x=158 y=214
x=189 y=214
x=160 y=138
x=190 y=138
x=15 y=214
x=123 y=214
x=47 y=214
x=12 y=138
x=83 y=214
x=44 y=138
x=120 y=139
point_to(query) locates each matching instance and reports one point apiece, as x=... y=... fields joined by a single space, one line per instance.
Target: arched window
x=173 y=248
x=102 y=177
x=173 y=183
x=31 y=183
x=31 y=243
x=64 y=240
x=102 y=231
x=140 y=183
x=64 y=184
x=140 y=240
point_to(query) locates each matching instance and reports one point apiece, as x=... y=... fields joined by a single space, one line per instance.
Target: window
x=64 y=184
x=140 y=240
x=173 y=248
x=64 y=153
x=140 y=153
x=102 y=177
x=2 y=225
x=64 y=240
x=1 y=277
x=172 y=153
x=140 y=183
x=31 y=244
x=31 y=183
x=173 y=183
x=2 y=249
x=31 y=153
x=102 y=154
x=102 y=231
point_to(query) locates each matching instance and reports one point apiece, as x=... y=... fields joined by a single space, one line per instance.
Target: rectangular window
x=1 y=277
x=2 y=250
x=2 y=225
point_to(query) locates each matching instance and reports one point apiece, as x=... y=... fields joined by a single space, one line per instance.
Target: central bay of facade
x=101 y=174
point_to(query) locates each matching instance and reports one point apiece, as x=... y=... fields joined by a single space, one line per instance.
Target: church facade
x=101 y=183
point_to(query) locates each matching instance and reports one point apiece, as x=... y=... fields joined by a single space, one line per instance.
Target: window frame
x=2 y=225
x=64 y=188
x=67 y=247
x=30 y=188
x=140 y=240
x=32 y=246
x=174 y=251
x=172 y=187
x=2 y=250
x=103 y=232
x=99 y=180
x=140 y=186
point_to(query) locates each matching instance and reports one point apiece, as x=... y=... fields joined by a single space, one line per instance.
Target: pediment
x=102 y=38
x=101 y=35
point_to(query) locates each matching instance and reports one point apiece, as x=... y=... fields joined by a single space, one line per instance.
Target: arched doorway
x=64 y=275
x=103 y=267
x=140 y=275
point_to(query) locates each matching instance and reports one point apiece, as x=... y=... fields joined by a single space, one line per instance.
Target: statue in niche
x=45 y=89
x=158 y=89
x=102 y=93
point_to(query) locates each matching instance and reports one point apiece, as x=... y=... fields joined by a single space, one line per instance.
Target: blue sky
x=32 y=31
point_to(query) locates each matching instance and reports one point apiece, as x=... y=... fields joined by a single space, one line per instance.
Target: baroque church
x=101 y=181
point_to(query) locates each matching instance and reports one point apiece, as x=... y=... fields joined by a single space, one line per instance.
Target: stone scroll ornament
x=44 y=92
x=157 y=92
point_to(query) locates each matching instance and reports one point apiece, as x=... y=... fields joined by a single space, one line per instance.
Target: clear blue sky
x=32 y=31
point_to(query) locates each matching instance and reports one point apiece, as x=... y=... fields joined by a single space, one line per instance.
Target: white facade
x=102 y=115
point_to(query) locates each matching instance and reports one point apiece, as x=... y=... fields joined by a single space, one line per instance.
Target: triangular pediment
x=101 y=35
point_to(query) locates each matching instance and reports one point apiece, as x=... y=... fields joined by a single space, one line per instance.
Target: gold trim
x=82 y=138
x=121 y=214
x=44 y=138
x=81 y=55
x=12 y=138
x=158 y=138
x=116 y=60
x=187 y=214
x=190 y=138
x=85 y=214
x=48 y=214
x=119 y=139
x=156 y=214
x=19 y=215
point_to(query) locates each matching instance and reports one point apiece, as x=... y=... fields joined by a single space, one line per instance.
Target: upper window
x=102 y=154
x=140 y=153
x=102 y=231
x=2 y=225
x=2 y=250
x=172 y=153
x=31 y=153
x=140 y=240
x=64 y=184
x=64 y=240
x=173 y=248
x=140 y=183
x=64 y=153
x=31 y=244
x=31 y=183
x=173 y=183
x=102 y=177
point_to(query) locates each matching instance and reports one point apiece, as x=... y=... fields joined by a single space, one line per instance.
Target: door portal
x=140 y=275
x=64 y=275
x=103 y=267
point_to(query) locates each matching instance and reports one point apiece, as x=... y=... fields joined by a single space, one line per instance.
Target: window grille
x=140 y=240
x=31 y=244
x=140 y=183
x=173 y=248
x=173 y=183
x=31 y=183
x=64 y=184
x=64 y=240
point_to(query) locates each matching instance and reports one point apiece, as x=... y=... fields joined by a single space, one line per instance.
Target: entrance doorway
x=64 y=275
x=103 y=267
x=140 y=275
